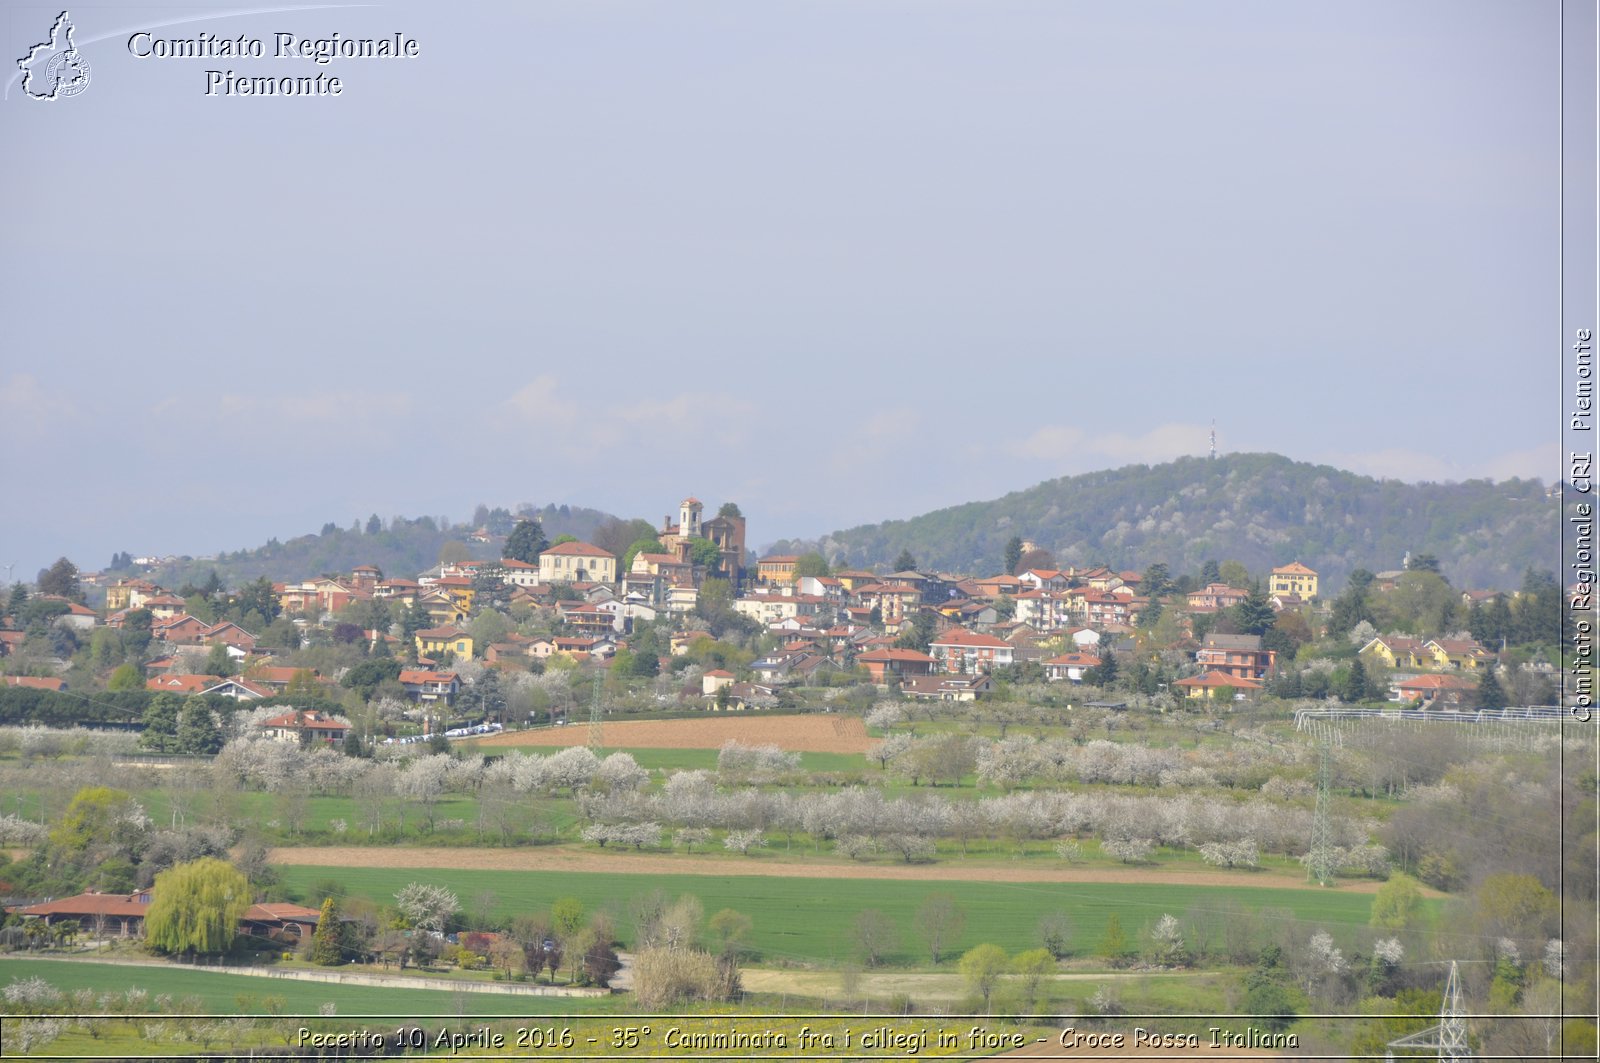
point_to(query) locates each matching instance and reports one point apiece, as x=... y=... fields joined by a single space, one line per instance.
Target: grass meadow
x=807 y=921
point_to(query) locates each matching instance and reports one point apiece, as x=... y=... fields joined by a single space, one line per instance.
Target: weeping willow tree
x=195 y=907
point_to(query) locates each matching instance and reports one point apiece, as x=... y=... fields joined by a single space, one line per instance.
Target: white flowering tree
x=1168 y=945
x=426 y=907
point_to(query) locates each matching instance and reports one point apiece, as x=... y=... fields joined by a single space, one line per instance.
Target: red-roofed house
x=946 y=687
x=714 y=681
x=1043 y=579
x=1217 y=684
x=1215 y=596
x=883 y=664
x=287 y=923
x=104 y=914
x=1070 y=666
x=968 y=652
x=1435 y=691
x=31 y=682
x=1237 y=655
x=421 y=685
x=182 y=684
x=240 y=689
x=289 y=726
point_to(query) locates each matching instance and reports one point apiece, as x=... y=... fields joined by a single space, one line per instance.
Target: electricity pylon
x=595 y=723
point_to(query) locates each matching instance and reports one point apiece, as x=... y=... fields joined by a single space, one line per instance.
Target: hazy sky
x=837 y=261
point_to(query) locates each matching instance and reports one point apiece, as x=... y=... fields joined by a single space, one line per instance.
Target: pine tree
x=1254 y=615
x=1490 y=694
x=161 y=721
x=327 y=946
x=1013 y=555
x=1354 y=687
x=905 y=562
x=526 y=542
x=1105 y=675
x=197 y=728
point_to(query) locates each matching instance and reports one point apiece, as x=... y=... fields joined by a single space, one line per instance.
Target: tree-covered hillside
x=1259 y=509
x=400 y=546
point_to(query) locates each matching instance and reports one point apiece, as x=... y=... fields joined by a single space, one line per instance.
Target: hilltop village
x=686 y=611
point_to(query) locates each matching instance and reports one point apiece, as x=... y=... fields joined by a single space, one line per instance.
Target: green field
x=808 y=920
x=244 y=994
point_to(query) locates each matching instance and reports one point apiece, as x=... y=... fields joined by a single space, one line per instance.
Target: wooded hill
x=400 y=547
x=1259 y=509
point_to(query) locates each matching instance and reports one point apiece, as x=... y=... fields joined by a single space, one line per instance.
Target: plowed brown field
x=797 y=734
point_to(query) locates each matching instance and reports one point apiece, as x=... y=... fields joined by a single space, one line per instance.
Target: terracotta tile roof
x=1438 y=683
x=183 y=684
x=416 y=676
x=895 y=654
x=93 y=904
x=962 y=637
x=576 y=549
x=260 y=690
x=309 y=719
x=1214 y=679
x=1459 y=647
x=445 y=633
x=272 y=673
x=35 y=682
x=1293 y=568
x=271 y=913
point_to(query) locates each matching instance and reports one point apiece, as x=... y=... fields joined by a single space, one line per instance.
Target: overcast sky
x=836 y=261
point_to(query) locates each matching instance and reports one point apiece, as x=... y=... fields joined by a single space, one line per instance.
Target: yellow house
x=1464 y=654
x=442 y=608
x=777 y=570
x=1293 y=578
x=433 y=641
x=1397 y=651
x=459 y=588
x=853 y=578
x=577 y=562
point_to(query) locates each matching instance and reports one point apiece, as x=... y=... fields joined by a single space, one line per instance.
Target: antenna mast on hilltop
x=1213 y=439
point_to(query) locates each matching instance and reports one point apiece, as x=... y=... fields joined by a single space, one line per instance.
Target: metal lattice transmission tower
x=595 y=714
x=1524 y=728
x=1449 y=1037
x=1320 y=851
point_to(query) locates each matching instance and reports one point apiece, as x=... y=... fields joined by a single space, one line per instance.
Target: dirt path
x=820 y=733
x=587 y=860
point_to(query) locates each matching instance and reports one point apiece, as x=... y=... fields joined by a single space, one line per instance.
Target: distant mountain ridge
x=1261 y=510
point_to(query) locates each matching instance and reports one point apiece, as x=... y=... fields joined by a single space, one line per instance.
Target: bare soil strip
x=572 y=859
x=822 y=733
